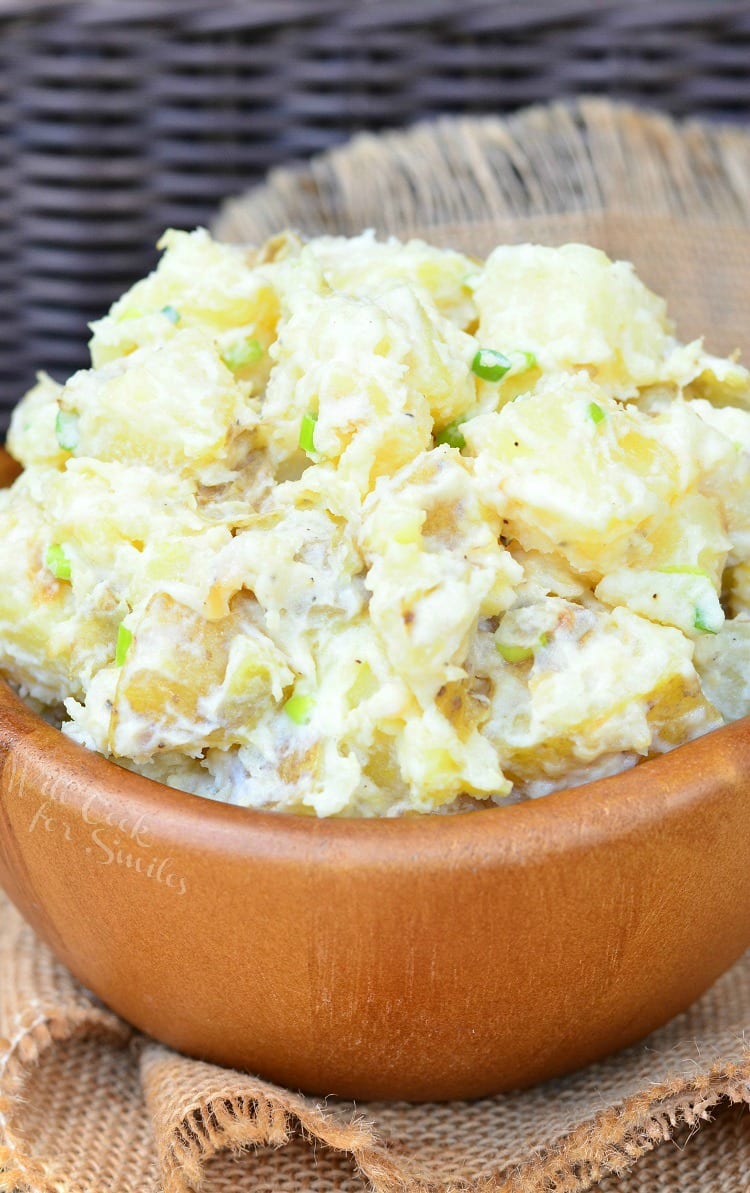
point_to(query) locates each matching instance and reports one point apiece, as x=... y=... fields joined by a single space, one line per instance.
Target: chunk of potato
x=574 y=308
x=363 y=266
x=723 y=663
x=573 y=472
x=201 y=284
x=436 y=567
x=32 y=436
x=188 y=683
x=343 y=376
x=174 y=407
x=600 y=684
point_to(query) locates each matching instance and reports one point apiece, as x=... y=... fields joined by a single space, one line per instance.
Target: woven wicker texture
x=120 y=117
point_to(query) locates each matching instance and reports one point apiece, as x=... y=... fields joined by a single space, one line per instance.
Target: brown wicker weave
x=119 y=117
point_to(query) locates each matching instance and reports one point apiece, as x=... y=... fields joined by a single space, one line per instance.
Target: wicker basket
x=119 y=117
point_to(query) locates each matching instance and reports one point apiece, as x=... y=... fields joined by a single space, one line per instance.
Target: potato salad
x=364 y=528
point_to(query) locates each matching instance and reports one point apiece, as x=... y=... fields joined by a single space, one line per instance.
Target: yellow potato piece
x=363 y=266
x=345 y=364
x=436 y=567
x=33 y=603
x=723 y=663
x=172 y=407
x=603 y=684
x=685 y=598
x=573 y=472
x=198 y=284
x=32 y=436
x=573 y=308
x=188 y=683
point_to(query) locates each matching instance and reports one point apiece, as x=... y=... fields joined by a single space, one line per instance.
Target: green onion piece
x=685 y=571
x=700 y=624
x=124 y=638
x=522 y=361
x=299 y=709
x=57 y=562
x=490 y=365
x=307 y=432
x=243 y=353
x=66 y=430
x=451 y=434
x=171 y=313
x=596 y=414
x=513 y=653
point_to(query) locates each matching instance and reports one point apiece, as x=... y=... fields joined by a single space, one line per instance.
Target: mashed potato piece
x=373 y=529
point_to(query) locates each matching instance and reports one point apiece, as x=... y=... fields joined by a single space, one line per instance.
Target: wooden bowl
x=428 y=958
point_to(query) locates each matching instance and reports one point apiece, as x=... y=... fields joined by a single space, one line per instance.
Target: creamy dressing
x=375 y=529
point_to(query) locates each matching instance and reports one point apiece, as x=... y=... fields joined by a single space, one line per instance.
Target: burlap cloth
x=87 y=1105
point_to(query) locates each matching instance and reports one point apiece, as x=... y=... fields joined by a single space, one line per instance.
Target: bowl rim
x=627 y=803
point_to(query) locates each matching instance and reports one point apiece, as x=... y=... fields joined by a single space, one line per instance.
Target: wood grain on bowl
x=9 y=469
x=424 y=958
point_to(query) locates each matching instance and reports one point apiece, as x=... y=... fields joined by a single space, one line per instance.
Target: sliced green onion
x=57 y=562
x=685 y=571
x=171 y=313
x=513 y=653
x=596 y=414
x=299 y=709
x=522 y=361
x=307 y=432
x=451 y=434
x=243 y=353
x=700 y=623
x=490 y=365
x=124 y=638
x=66 y=430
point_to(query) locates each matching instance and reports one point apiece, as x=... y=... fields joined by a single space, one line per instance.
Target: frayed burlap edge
x=612 y=1142
x=260 y=1114
x=242 y=1112
x=234 y=1111
x=36 y=1032
x=583 y=156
